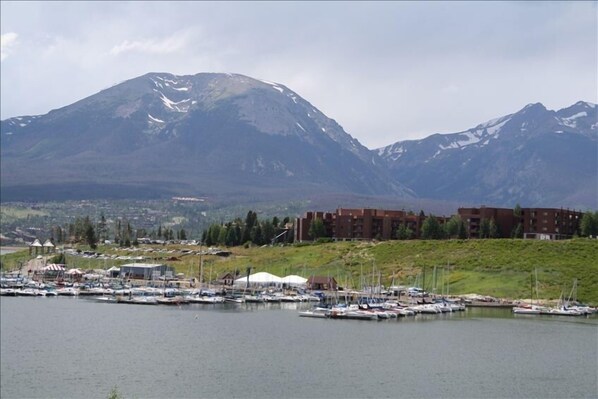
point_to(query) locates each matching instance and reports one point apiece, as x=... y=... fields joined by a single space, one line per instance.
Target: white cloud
x=8 y=41
x=151 y=46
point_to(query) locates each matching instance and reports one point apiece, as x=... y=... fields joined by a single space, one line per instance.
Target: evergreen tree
x=451 y=227
x=268 y=232
x=182 y=234
x=317 y=229
x=462 y=232
x=102 y=228
x=484 y=228
x=90 y=236
x=493 y=231
x=431 y=229
x=256 y=235
x=517 y=211
x=275 y=221
x=222 y=235
x=231 y=237
x=214 y=234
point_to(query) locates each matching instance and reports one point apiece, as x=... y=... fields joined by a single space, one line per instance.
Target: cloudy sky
x=384 y=71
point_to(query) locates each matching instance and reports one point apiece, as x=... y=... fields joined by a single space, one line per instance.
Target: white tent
x=261 y=278
x=295 y=280
x=53 y=267
x=74 y=271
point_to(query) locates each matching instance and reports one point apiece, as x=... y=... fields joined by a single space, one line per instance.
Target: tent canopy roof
x=261 y=277
x=294 y=279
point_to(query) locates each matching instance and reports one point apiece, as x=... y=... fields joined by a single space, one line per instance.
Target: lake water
x=77 y=348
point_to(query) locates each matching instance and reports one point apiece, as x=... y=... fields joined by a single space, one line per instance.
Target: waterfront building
x=146 y=271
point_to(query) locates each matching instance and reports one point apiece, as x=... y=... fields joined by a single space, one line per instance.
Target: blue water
x=77 y=348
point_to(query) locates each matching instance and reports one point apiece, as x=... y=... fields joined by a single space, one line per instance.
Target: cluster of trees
x=432 y=229
x=589 y=224
x=248 y=231
x=84 y=230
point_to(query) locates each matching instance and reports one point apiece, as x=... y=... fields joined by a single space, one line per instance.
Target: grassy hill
x=502 y=268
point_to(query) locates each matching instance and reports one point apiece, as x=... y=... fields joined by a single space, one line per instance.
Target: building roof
x=143 y=265
x=321 y=280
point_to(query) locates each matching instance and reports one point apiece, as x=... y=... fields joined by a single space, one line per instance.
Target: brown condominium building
x=360 y=224
x=369 y=224
x=538 y=223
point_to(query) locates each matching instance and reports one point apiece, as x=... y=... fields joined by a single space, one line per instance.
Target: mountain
x=202 y=135
x=535 y=157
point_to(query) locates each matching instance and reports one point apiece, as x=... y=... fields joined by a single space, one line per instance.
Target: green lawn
x=503 y=268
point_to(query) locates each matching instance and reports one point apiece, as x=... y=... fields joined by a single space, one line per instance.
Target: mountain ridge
x=534 y=156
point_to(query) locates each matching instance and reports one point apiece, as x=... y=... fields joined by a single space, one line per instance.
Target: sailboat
x=531 y=308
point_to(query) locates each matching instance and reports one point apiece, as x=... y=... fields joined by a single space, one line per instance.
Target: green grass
x=502 y=268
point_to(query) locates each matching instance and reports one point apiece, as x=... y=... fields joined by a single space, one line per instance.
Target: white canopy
x=259 y=278
x=53 y=267
x=293 y=279
x=74 y=271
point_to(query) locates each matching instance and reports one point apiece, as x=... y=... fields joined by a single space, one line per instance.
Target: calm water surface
x=78 y=348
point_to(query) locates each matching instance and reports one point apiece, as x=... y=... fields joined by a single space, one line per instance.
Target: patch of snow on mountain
x=496 y=128
x=571 y=120
x=577 y=115
x=324 y=130
x=300 y=127
x=157 y=84
x=180 y=88
x=394 y=153
x=172 y=104
x=155 y=119
x=451 y=145
x=274 y=85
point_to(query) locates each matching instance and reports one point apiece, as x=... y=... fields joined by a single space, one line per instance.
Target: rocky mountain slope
x=206 y=134
x=535 y=157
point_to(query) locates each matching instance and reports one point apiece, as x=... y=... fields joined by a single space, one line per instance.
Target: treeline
x=84 y=230
x=249 y=231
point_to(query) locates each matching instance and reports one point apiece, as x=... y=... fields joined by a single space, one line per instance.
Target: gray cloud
x=385 y=71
